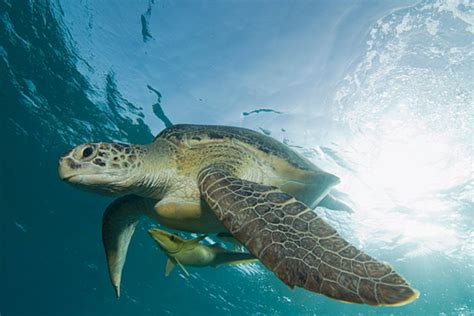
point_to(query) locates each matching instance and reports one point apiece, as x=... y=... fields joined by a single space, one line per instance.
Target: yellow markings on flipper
x=416 y=294
x=410 y=299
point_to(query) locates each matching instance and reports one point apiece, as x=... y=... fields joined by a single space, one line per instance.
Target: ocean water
x=378 y=92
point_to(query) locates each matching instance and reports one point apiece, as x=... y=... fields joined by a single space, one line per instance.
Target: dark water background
x=61 y=84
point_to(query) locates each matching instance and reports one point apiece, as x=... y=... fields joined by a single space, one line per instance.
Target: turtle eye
x=87 y=152
x=172 y=238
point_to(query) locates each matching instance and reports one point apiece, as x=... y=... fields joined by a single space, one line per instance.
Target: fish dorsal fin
x=195 y=240
x=182 y=267
x=169 y=266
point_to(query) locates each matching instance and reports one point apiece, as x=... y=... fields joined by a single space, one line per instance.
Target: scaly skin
x=298 y=246
x=166 y=170
x=216 y=179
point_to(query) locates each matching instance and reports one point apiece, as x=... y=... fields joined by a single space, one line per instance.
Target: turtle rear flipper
x=330 y=202
x=297 y=245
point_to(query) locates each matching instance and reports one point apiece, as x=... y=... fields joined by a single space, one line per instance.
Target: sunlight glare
x=404 y=166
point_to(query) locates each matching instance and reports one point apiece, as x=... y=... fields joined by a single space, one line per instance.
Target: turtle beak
x=63 y=169
x=67 y=168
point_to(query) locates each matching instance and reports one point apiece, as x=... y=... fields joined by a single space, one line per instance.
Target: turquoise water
x=379 y=93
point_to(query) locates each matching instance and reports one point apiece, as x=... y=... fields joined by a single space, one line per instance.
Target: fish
x=183 y=252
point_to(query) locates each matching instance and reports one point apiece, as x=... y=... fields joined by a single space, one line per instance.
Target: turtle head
x=170 y=243
x=107 y=168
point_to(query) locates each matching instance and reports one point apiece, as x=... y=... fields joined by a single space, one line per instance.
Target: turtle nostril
x=72 y=164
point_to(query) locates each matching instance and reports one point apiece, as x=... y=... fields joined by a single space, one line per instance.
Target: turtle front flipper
x=297 y=245
x=118 y=225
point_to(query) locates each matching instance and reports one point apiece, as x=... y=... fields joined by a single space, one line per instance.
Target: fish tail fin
x=227 y=257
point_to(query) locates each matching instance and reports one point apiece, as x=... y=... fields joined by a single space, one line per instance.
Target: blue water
x=378 y=92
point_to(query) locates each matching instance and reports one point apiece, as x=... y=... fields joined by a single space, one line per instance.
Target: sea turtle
x=204 y=179
x=190 y=252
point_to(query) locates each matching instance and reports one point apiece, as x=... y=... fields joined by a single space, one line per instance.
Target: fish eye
x=87 y=152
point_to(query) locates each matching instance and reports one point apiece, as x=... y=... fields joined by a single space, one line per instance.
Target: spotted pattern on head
x=111 y=155
x=117 y=155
